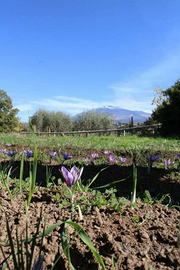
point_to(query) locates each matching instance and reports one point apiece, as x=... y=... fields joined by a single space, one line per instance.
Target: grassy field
x=103 y=142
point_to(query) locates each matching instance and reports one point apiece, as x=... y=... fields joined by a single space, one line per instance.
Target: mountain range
x=123 y=115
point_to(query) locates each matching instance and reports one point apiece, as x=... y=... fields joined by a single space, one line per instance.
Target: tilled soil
x=149 y=242
x=140 y=237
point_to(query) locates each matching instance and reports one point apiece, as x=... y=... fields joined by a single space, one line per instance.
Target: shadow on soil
x=158 y=183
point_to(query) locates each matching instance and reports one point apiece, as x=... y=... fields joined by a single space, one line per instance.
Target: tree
x=8 y=119
x=93 y=120
x=51 y=121
x=168 y=111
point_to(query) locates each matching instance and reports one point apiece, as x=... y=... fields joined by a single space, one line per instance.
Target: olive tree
x=51 y=121
x=93 y=120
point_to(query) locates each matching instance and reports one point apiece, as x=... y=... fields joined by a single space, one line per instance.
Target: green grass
x=103 y=142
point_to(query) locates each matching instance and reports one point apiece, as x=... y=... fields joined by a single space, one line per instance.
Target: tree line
x=50 y=121
x=167 y=112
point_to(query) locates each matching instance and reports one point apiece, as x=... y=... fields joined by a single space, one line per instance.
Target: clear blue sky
x=75 y=55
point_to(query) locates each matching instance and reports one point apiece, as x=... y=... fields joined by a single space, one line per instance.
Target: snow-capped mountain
x=123 y=115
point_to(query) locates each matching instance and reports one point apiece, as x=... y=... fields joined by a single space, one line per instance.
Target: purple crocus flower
x=123 y=160
x=3 y=151
x=152 y=159
x=29 y=153
x=67 y=143
x=73 y=176
x=53 y=154
x=10 y=153
x=178 y=156
x=66 y=156
x=88 y=159
x=168 y=163
x=38 y=265
x=112 y=159
x=107 y=152
x=94 y=155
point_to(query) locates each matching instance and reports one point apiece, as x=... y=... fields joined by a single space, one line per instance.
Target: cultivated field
x=89 y=203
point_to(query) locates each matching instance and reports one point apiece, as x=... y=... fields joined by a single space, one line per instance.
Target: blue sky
x=75 y=55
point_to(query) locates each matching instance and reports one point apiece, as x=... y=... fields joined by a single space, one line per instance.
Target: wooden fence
x=119 y=132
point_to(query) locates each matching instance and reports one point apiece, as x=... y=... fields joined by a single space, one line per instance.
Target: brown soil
x=150 y=241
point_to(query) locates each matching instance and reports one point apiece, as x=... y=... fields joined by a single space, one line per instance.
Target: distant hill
x=123 y=115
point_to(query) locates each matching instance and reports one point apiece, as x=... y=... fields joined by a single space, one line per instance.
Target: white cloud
x=24 y=107
x=76 y=105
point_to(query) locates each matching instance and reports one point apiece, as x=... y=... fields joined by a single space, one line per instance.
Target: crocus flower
x=107 y=152
x=123 y=160
x=38 y=265
x=112 y=159
x=3 y=151
x=88 y=159
x=168 y=163
x=10 y=153
x=66 y=156
x=178 y=156
x=67 y=143
x=53 y=154
x=152 y=159
x=94 y=155
x=29 y=153
x=73 y=176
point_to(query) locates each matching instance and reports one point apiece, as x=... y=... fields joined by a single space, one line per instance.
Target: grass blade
x=32 y=174
x=112 y=183
x=95 y=177
x=133 y=199
x=87 y=241
x=11 y=244
x=65 y=245
x=21 y=173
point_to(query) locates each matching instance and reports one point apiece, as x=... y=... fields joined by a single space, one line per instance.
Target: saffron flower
x=3 y=151
x=151 y=158
x=72 y=176
x=38 y=265
x=94 y=155
x=88 y=159
x=168 y=163
x=53 y=154
x=123 y=160
x=66 y=156
x=112 y=159
x=10 y=153
x=29 y=153
x=107 y=152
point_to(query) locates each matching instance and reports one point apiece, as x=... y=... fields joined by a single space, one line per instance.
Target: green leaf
x=65 y=245
x=87 y=241
x=112 y=183
x=95 y=177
